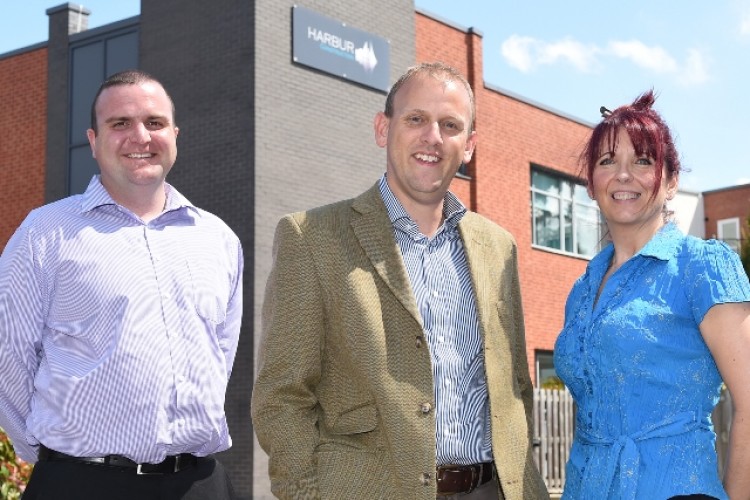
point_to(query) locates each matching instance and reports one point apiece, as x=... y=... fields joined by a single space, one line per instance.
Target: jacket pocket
x=355 y=420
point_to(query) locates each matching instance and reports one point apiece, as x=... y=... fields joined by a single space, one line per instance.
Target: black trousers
x=207 y=480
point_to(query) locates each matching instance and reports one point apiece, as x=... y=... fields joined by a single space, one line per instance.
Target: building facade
x=727 y=214
x=263 y=134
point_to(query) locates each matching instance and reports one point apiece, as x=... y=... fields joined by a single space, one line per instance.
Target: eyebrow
x=421 y=111
x=130 y=118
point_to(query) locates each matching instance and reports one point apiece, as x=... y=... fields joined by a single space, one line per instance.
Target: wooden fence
x=554 y=421
x=554 y=418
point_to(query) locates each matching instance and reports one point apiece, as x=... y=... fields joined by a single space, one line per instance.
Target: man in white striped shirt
x=393 y=360
x=120 y=314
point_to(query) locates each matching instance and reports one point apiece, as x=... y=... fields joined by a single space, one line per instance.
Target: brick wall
x=521 y=135
x=512 y=136
x=726 y=204
x=23 y=129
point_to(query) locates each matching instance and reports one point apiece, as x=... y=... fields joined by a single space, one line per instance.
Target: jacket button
x=425 y=479
x=419 y=342
x=426 y=408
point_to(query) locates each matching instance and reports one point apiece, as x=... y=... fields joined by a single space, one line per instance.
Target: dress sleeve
x=715 y=276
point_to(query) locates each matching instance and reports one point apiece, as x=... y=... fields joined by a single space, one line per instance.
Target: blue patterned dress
x=643 y=379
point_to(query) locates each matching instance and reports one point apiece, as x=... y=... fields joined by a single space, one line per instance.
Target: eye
x=414 y=120
x=120 y=124
x=606 y=160
x=154 y=125
x=452 y=126
x=644 y=161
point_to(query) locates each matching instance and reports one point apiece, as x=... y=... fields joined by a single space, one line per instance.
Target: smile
x=625 y=196
x=427 y=158
x=140 y=155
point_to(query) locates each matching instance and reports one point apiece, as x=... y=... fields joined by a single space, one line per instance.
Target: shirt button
x=426 y=408
x=435 y=293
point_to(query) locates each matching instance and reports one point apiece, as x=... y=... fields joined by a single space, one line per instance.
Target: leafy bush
x=14 y=472
x=553 y=382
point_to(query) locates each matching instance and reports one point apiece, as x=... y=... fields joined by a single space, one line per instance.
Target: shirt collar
x=453 y=209
x=665 y=243
x=663 y=246
x=96 y=196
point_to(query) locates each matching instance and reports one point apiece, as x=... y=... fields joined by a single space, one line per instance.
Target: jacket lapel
x=478 y=257
x=374 y=230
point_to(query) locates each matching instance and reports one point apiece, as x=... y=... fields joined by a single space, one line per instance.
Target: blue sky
x=576 y=56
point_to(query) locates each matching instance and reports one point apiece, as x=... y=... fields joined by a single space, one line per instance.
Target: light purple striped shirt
x=118 y=336
x=442 y=286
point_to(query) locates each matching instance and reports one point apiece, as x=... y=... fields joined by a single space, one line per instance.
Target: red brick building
x=727 y=211
x=23 y=128
x=514 y=137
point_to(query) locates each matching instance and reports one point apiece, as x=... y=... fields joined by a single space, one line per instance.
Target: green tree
x=14 y=472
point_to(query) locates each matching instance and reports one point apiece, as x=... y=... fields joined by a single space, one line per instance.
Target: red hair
x=648 y=132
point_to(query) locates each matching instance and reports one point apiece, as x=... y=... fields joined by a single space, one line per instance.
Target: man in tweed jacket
x=393 y=359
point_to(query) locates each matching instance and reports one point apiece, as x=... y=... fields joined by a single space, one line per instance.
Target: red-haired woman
x=655 y=325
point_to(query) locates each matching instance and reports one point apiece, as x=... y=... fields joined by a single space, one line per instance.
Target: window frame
x=539 y=355
x=576 y=207
x=735 y=242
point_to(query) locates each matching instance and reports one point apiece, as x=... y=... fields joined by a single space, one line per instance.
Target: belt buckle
x=175 y=468
x=140 y=472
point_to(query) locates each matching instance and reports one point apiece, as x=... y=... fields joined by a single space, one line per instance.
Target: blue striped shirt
x=118 y=336
x=442 y=286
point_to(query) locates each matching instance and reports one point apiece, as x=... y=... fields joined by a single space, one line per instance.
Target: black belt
x=455 y=479
x=169 y=465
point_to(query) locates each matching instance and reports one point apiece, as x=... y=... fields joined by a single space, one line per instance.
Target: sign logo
x=333 y=47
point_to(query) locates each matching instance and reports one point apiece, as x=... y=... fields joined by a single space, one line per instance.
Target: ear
x=672 y=185
x=92 y=141
x=381 y=125
x=471 y=143
x=590 y=190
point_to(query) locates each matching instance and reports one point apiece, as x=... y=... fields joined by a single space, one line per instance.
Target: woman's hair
x=647 y=130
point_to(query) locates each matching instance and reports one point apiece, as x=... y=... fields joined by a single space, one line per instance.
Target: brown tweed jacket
x=344 y=395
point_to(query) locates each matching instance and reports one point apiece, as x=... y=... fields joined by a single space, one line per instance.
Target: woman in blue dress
x=653 y=327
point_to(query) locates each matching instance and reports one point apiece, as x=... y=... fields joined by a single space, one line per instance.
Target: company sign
x=331 y=46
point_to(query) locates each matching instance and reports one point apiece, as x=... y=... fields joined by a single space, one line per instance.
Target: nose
x=623 y=173
x=431 y=134
x=139 y=134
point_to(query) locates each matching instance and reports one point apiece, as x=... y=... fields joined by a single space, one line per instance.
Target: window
x=546 y=376
x=463 y=170
x=563 y=217
x=729 y=232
